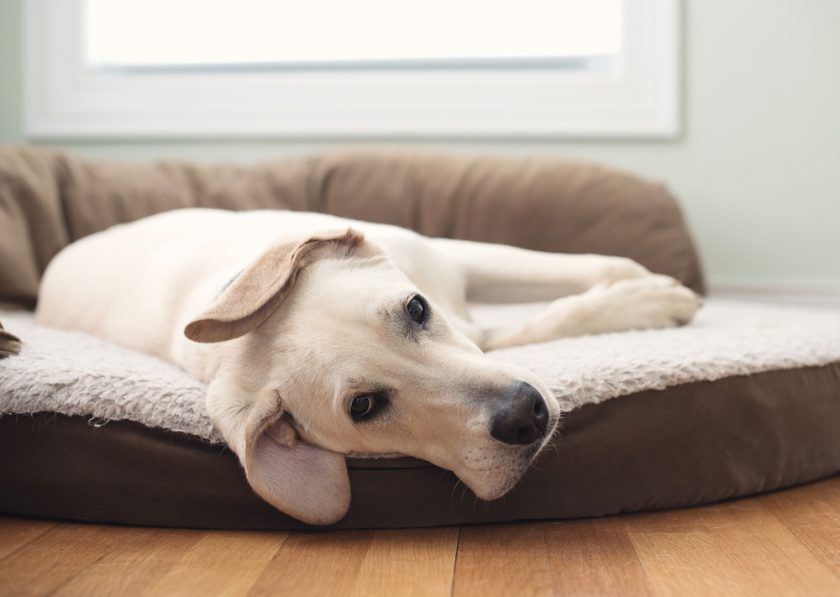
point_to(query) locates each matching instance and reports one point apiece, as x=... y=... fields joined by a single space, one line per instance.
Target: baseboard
x=810 y=291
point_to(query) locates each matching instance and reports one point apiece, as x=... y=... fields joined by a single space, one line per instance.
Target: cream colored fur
x=296 y=312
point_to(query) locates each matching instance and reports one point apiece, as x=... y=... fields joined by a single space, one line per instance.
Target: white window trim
x=65 y=101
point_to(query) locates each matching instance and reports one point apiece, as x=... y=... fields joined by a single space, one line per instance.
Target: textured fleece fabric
x=75 y=374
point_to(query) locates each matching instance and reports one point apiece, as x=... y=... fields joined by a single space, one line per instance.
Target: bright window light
x=162 y=34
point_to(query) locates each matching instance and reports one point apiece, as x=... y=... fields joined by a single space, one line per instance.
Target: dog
x=320 y=336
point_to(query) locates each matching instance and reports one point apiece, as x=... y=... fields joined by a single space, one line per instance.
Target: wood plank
x=17 y=532
x=139 y=558
x=315 y=564
x=786 y=543
x=686 y=520
x=594 y=557
x=409 y=563
x=812 y=514
x=220 y=563
x=736 y=548
x=47 y=562
x=509 y=559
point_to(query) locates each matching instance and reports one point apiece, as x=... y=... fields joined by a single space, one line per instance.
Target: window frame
x=639 y=99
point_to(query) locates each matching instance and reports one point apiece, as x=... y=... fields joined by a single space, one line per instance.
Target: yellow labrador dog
x=320 y=336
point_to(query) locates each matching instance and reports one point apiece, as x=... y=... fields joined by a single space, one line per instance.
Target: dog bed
x=744 y=400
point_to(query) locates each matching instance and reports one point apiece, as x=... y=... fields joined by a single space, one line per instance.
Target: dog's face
x=357 y=360
x=369 y=365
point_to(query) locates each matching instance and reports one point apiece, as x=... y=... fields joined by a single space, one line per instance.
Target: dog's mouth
x=494 y=473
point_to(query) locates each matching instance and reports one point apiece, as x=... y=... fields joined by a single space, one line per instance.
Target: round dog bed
x=745 y=400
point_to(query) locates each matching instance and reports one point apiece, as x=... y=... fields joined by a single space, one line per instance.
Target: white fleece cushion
x=75 y=374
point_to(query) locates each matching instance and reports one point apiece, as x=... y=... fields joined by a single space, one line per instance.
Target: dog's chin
x=489 y=493
x=501 y=480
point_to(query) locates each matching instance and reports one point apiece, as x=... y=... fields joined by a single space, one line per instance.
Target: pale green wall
x=757 y=167
x=11 y=103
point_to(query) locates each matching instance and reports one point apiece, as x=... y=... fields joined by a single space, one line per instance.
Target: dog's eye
x=362 y=406
x=416 y=309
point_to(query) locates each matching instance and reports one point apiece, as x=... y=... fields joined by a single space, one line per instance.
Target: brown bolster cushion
x=49 y=199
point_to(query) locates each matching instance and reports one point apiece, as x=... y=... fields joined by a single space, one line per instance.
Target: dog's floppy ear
x=299 y=479
x=257 y=292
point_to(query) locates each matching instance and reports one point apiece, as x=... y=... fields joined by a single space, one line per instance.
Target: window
x=351 y=68
x=272 y=35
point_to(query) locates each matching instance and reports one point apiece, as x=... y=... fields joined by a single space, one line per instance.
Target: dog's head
x=334 y=351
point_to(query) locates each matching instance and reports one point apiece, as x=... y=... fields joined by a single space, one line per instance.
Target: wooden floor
x=786 y=543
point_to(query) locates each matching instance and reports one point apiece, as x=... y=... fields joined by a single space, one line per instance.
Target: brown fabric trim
x=687 y=445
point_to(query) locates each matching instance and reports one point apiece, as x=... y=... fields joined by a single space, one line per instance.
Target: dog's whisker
x=464 y=494
x=454 y=489
x=535 y=467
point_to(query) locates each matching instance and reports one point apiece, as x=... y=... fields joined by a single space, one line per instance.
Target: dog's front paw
x=653 y=301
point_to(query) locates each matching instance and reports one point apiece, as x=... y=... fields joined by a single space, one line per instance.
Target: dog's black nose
x=522 y=417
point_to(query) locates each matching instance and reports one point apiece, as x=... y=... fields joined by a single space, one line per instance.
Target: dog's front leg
x=649 y=302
